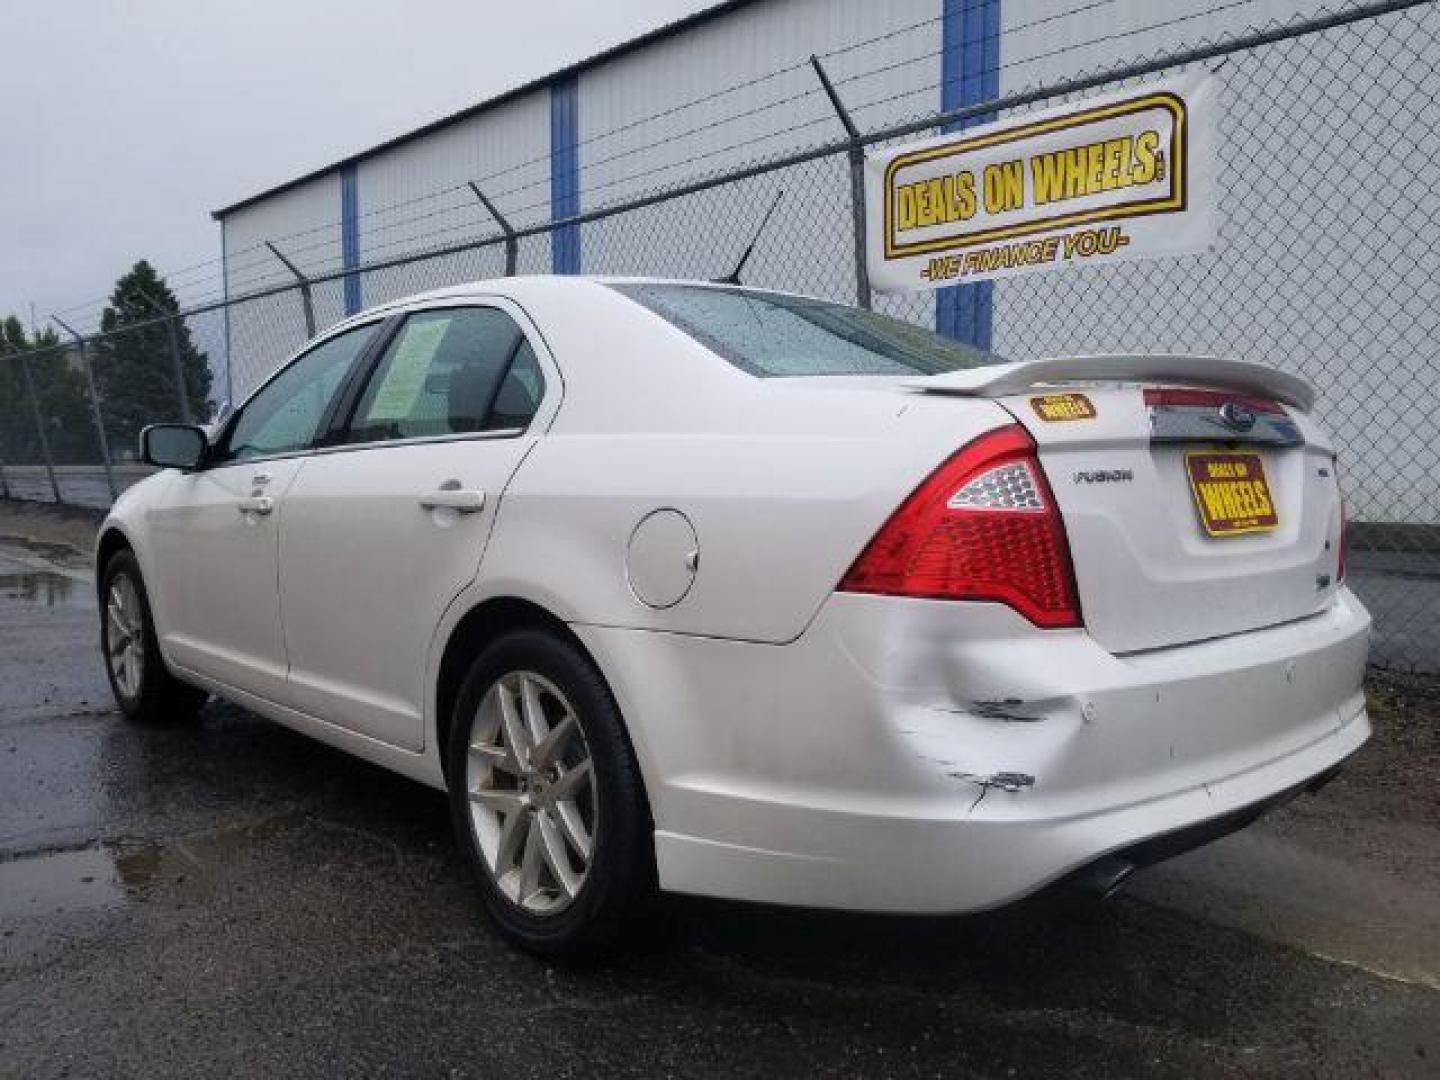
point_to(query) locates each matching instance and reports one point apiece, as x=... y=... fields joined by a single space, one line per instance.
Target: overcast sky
x=127 y=123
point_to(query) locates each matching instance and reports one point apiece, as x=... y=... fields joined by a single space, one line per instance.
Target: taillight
x=983 y=526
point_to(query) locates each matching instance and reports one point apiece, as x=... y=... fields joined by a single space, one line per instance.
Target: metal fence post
x=512 y=245
x=857 y=183
x=179 y=369
x=307 y=302
x=94 y=403
x=39 y=425
x=176 y=366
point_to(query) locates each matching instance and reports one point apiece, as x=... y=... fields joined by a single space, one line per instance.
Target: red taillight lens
x=983 y=526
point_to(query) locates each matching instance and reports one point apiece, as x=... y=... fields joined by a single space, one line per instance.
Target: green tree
x=133 y=366
x=59 y=385
x=17 y=428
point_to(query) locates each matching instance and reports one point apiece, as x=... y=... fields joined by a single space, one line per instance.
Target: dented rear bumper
x=920 y=756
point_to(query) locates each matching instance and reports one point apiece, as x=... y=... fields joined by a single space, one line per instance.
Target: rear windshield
x=769 y=334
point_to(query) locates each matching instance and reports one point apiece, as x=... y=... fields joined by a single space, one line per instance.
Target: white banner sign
x=1126 y=176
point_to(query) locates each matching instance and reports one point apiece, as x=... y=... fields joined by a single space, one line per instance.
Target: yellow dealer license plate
x=1231 y=493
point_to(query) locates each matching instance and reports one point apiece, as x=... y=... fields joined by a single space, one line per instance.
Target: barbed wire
x=236 y=278
x=417 y=241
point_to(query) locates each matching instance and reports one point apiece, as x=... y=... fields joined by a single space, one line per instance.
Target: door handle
x=256 y=504
x=462 y=500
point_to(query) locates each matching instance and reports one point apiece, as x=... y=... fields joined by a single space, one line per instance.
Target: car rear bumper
x=920 y=756
x=1104 y=874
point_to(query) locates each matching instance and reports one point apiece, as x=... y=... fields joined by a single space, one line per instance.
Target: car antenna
x=734 y=276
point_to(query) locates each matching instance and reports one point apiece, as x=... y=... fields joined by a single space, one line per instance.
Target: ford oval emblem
x=1237 y=417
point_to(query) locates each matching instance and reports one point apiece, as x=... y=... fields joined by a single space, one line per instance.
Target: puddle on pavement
x=65 y=881
x=63 y=554
x=42 y=588
x=90 y=879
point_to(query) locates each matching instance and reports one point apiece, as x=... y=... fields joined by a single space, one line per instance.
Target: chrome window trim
x=421 y=440
x=340 y=448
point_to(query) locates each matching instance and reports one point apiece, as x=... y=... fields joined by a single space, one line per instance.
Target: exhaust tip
x=1105 y=877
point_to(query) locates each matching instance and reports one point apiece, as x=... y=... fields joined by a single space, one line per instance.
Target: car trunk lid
x=1199 y=497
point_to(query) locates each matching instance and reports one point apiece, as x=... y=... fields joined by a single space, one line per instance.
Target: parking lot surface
x=228 y=898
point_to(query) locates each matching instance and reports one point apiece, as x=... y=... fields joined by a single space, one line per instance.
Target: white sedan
x=750 y=595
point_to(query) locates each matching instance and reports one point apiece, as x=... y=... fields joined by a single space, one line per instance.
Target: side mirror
x=172 y=446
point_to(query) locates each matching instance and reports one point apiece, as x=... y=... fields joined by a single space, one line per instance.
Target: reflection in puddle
x=64 y=554
x=89 y=879
x=43 y=588
x=66 y=881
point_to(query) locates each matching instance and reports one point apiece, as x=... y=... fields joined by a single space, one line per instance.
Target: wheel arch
x=112 y=539
x=482 y=624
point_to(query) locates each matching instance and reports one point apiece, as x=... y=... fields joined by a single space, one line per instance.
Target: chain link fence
x=1326 y=265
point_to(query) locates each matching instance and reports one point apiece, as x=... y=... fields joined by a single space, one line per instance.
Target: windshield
x=769 y=334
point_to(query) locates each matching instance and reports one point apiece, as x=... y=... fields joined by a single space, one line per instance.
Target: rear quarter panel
x=783 y=497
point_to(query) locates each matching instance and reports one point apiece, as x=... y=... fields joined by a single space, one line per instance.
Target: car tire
x=143 y=686
x=493 y=801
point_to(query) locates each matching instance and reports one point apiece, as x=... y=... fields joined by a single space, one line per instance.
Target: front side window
x=449 y=372
x=770 y=334
x=285 y=416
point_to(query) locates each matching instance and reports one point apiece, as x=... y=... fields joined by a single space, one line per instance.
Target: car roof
x=537 y=286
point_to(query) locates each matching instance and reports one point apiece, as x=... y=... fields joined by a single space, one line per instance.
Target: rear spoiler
x=1000 y=380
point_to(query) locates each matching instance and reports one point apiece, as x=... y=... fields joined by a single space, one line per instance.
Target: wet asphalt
x=227 y=898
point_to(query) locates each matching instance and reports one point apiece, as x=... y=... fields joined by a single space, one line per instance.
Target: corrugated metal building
x=661 y=109
x=732 y=85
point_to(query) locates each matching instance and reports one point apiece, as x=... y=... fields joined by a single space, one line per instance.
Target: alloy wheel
x=531 y=785
x=125 y=635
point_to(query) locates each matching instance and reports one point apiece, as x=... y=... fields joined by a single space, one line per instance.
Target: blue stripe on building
x=565 y=173
x=350 y=235
x=969 y=75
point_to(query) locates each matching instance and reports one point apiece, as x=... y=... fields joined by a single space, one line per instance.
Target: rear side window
x=520 y=391
x=770 y=334
x=450 y=372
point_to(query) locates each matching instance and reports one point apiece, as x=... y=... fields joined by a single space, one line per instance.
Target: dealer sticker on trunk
x=1053 y=407
x=1231 y=493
